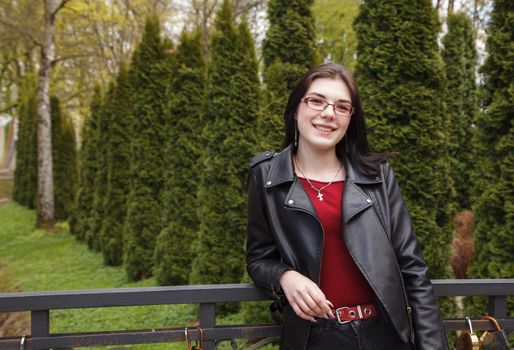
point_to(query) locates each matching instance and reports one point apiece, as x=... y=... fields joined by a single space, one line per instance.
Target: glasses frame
x=326 y=104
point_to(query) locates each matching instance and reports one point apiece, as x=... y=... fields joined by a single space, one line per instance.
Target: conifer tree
x=184 y=115
x=288 y=51
x=459 y=56
x=493 y=191
x=99 y=189
x=117 y=166
x=64 y=158
x=79 y=219
x=25 y=174
x=401 y=77
x=148 y=78
x=232 y=97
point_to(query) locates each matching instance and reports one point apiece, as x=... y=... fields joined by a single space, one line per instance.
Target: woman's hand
x=305 y=297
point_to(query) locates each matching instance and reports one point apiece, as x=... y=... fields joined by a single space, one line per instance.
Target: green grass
x=34 y=260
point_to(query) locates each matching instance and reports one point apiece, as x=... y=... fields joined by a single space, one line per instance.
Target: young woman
x=329 y=234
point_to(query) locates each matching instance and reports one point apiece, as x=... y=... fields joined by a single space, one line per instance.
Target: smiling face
x=320 y=131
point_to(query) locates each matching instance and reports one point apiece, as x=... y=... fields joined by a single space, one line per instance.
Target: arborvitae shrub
x=87 y=170
x=25 y=174
x=184 y=115
x=232 y=104
x=459 y=56
x=64 y=155
x=148 y=76
x=117 y=166
x=97 y=212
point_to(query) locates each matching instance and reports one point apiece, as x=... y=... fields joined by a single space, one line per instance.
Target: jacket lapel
x=282 y=171
x=298 y=198
x=355 y=199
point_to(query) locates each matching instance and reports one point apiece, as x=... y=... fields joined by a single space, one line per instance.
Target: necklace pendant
x=320 y=196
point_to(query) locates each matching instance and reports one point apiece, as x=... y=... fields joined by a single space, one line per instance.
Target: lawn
x=34 y=260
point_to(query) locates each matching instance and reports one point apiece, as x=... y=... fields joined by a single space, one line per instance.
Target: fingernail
x=332 y=314
x=313 y=320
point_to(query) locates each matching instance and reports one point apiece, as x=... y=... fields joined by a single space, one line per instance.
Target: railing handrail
x=41 y=303
x=210 y=293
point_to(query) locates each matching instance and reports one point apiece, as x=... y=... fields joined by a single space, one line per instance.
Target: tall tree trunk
x=45 y=198
x=450 y=6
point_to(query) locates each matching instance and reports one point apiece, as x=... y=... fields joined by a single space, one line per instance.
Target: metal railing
x=41 y=303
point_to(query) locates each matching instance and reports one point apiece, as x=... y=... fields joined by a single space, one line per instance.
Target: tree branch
x=19 y=30
x=61 y=5
x=63 y=58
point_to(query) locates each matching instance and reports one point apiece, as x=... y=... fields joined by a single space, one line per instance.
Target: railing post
x=40 y=323
x=208 y=320
x=497 y=306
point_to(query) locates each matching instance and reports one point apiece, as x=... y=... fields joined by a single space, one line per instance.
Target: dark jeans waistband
x=327 y=324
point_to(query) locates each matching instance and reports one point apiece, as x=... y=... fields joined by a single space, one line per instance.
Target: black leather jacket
x=284 y=233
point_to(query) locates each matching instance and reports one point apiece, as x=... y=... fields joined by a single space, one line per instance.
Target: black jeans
x=368 y=334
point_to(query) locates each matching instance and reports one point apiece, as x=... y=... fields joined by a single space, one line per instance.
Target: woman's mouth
x=323 y=128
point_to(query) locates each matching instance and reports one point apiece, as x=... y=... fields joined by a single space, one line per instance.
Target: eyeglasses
x=342 y=109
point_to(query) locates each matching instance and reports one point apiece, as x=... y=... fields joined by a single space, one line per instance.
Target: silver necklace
x=320 y=195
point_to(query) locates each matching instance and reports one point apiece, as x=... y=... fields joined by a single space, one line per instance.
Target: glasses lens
x=343 y=109
x=316 y=103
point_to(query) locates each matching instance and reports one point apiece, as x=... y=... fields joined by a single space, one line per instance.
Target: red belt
x=358 y=312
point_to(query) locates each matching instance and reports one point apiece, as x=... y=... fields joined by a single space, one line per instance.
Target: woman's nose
x=329 y=111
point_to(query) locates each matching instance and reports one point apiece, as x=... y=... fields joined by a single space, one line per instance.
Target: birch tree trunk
x=45 y=197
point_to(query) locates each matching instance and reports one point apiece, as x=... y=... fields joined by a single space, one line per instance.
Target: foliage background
x=415 y=105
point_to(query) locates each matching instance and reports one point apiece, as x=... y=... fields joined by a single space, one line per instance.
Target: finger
x=331 y=315
x=302 y=314
x=321 y=303
x=330 y=311
x=302 y=298
x=304 y=306
x=314 y=306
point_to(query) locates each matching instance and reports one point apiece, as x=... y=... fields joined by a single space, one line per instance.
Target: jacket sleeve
x=263 y=260
x=425 y=315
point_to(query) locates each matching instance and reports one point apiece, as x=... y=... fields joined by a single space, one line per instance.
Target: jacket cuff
x=278 y=293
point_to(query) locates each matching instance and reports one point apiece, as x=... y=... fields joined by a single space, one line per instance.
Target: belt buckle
x=337 y=314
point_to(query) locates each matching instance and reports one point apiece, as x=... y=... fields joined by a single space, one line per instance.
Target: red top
x=341 y=280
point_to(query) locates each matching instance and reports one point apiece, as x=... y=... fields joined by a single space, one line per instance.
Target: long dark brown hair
x=354 y=145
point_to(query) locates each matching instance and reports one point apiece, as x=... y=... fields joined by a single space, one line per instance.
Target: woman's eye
x=343 y=107
x=316 y=101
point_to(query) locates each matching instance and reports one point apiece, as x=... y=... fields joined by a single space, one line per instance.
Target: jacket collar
x=282 y=170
